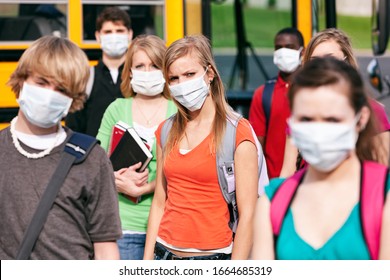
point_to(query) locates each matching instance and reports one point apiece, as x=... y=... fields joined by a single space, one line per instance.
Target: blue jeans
x=161 y=253
x=132 y=246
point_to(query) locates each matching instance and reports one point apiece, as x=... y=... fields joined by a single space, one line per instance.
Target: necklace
x=149 y=121
x=19 y=148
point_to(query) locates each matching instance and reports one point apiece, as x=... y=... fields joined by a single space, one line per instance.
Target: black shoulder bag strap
x=267 y=98
x=75 y=152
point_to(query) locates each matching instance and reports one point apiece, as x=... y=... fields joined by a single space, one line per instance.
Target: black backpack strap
x=79 y=145
x=267 y=98
x=76 y=150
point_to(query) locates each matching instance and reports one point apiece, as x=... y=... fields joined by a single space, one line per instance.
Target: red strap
x=372 y=203
x=282 y=198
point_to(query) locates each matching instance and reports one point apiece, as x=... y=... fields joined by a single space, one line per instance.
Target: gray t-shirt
x=85 y=210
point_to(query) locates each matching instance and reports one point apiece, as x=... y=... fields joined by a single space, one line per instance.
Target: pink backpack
x=374 y=178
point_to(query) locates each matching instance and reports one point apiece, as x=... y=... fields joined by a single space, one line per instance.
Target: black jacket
x=104 y=91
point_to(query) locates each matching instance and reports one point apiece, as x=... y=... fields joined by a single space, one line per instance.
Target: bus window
x=23 y=21
x=232 y=21
x=145 y=19
x=353 y=17
x=28 y=22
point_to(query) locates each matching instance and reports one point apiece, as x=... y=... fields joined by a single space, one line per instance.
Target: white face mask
x=147 y=83
x=43 y=107
x=287 y=60
x=114 y=44
x=191 y=94
x=324 y=145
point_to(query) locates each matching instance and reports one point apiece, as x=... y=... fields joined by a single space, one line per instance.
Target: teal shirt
x=347 y=243
x=134 y=217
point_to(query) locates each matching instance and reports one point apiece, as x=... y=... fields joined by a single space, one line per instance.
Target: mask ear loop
x=357 y=120
x=210 y=81
x=300 y=55
x=207 y=69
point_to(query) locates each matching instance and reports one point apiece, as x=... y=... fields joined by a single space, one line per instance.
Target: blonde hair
x=199 y=46
x=155 y=48
x=58 y=59
x=336 y=35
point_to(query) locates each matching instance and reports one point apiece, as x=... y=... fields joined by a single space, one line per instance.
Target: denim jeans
x=132 y=246
x=161 y=253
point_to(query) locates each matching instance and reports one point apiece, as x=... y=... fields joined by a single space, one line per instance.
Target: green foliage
x=357 y=28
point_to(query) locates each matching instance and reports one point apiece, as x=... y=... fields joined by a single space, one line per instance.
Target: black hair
x=292 y=31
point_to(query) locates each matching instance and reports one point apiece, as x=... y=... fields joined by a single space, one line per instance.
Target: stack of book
x=127 y=148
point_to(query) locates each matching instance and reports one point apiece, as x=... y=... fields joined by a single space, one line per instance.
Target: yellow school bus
x=23 y=21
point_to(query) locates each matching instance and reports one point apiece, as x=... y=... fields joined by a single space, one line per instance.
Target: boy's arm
x=106 y=251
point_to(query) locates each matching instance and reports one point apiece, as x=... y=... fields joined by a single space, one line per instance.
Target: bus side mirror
x=374 y=75
x=380 y=23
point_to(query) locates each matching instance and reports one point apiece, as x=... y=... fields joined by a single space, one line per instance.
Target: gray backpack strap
x=225 y=169
x=262 y=166
x=165 y=130
x=91 y=78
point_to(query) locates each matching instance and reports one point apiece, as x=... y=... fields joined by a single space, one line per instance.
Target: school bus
x=380 y=37
x=23 y=21
x=380 y=25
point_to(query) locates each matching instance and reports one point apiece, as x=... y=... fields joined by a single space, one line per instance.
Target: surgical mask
x=287 y=60
x=147 y=83
x=324 y=145
x=114 y=44
x=191 y=94
x=43 y=107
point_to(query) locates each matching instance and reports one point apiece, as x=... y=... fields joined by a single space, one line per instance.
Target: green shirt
x=347 y=243
x=134 y=217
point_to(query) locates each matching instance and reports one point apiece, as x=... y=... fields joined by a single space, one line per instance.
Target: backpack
x=266 y=102
x=80 y=145
x=225 y=165
x=374 y=180
x=267 y=98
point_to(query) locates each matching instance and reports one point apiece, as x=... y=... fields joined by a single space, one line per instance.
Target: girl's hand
x=130 y=182
x=138 y=178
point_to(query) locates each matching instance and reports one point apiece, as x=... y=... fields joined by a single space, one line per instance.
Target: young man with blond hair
x=83 y=222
